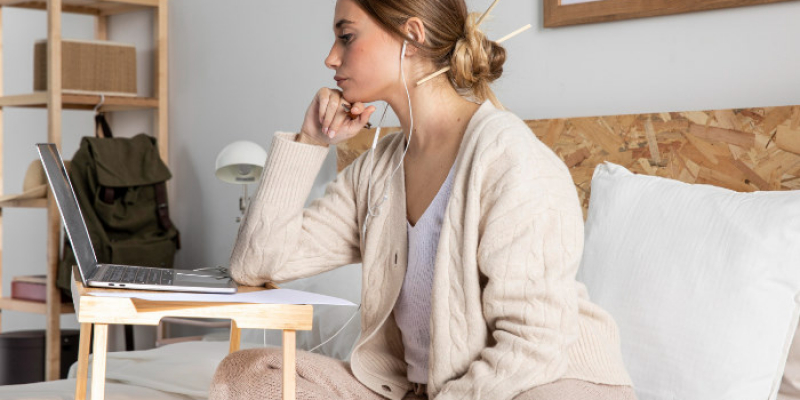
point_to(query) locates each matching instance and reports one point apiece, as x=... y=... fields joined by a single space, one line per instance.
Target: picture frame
x=559 y=13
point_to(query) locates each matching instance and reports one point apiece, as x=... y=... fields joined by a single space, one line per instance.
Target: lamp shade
x=240 y=162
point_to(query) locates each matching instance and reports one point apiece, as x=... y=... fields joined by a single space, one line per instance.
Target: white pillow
x=701 y=280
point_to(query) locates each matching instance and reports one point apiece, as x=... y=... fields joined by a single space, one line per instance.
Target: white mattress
x=177 y=371
x=65 y=390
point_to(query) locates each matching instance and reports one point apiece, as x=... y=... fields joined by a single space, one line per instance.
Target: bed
x=744 y=150
x=175 y=371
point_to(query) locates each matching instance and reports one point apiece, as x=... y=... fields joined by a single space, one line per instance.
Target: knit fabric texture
x=256 y=374
x=413 y=309
x=574 y=389
x=506 y=311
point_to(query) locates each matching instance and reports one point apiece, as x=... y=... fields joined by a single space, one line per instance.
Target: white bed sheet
x=180 y=371
x=65 y=390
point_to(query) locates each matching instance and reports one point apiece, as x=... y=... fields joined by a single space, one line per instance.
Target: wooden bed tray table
x=102 y=311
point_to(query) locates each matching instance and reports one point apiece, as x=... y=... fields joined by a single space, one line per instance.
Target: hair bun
x=476 y=61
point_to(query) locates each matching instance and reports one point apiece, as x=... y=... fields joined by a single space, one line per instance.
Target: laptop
x=114 y=275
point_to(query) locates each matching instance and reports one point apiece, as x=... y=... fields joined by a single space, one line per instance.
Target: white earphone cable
x=374 y=211
x=337 y=332
x=330 y=338
x=370 y=211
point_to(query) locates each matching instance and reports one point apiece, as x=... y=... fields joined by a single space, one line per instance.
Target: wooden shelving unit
x=55 y=100
x=88 y=7
x=7 y=303
x=29 y=203
x=80 y=101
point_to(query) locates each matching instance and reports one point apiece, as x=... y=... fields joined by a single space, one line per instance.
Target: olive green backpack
x=120 y=184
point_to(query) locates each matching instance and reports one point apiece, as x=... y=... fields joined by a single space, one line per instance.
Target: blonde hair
x=452 y=38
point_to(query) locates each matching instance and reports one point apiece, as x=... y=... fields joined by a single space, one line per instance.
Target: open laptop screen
x=70 y=212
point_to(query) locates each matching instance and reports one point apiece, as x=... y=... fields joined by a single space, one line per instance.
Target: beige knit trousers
x=256 y=374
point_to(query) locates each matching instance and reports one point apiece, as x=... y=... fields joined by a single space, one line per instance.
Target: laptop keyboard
x=129 y=274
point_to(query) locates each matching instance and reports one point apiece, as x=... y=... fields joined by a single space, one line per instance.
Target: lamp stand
x=243 y=202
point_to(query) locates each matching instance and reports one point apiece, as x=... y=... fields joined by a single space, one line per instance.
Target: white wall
x=247 y=68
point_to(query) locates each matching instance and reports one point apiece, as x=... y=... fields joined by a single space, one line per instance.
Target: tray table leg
x=236 y=337
x=289 y=364
x=99 y=361
x=83 y=361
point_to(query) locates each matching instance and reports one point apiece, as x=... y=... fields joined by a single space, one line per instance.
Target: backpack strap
x=101 y=123
x=162 y=208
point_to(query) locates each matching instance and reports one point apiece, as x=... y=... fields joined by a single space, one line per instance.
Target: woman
x=469 y=250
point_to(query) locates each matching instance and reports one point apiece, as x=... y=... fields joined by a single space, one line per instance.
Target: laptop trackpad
x=194 y=279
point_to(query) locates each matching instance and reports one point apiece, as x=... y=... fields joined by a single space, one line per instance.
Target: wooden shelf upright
x=55 y=101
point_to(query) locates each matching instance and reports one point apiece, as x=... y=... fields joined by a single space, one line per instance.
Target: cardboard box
x=89 y=67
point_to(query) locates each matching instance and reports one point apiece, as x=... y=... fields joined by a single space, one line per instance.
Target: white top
x=413 y=308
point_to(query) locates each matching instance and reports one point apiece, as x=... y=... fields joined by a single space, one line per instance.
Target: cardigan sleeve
x=530 y=244
x=278 y=239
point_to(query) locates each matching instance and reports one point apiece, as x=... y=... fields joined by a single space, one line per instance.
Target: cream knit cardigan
x=507 y=313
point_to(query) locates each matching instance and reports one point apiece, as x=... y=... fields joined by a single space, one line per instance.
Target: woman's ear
x=415 y=31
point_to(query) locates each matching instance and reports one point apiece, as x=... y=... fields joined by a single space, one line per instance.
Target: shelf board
x=80 y=101
x=7 y=303
x=26 y=203
x=90 y=7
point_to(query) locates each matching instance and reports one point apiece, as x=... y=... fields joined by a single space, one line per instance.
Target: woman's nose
x=333 y=60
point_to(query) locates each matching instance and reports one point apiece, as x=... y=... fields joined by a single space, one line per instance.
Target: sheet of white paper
x=274 y=296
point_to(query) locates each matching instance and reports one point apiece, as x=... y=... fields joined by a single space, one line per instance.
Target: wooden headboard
x=740 y=149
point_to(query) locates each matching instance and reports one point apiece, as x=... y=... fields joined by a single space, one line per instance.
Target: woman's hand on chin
x=330 y=119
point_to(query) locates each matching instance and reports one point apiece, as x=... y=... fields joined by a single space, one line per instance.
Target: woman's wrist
x=304 y=138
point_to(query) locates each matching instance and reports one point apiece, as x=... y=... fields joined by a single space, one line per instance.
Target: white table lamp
x=241 y=162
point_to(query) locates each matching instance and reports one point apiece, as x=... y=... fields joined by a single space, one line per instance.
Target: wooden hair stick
x=486 y=13
x=501 y=40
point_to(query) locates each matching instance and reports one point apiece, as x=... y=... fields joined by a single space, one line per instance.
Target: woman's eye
x=346 y=37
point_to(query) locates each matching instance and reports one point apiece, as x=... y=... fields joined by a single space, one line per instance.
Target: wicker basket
x=89 y=67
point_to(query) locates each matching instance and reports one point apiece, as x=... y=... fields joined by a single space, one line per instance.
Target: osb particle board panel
x=349 y=150
x=740 y=149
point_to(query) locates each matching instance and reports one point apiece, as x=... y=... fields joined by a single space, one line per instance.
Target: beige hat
x=33 y=187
